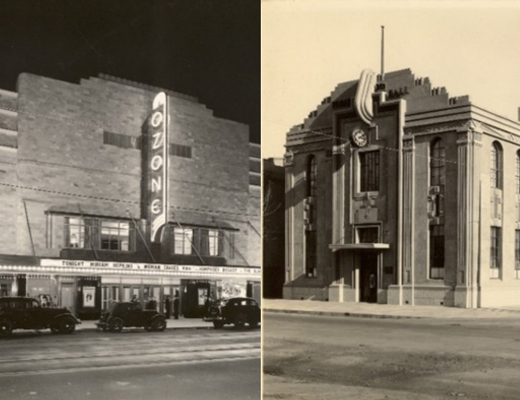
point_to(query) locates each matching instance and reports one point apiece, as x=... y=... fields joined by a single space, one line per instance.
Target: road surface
x=134 y=364
x=318 y=357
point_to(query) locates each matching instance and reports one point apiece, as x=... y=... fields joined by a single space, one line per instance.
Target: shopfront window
x=99 y=233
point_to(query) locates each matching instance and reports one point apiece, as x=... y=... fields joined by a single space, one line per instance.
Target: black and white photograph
x=130 y=200
x=391 y=200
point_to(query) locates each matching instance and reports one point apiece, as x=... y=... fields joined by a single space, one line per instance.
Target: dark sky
x=209 y=49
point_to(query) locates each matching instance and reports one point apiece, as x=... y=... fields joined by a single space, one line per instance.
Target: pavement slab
x=385 y=310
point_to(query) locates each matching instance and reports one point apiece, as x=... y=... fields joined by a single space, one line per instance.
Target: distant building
x=273 y=229
x=111 y=189
x=397 y=193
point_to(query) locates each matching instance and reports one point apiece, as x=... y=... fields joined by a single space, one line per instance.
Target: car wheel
x=253 y=324
x=67 y=325
x=6 y=328
x=240 y=321
x=116 y=324
x=159 y=324
x=218 y=324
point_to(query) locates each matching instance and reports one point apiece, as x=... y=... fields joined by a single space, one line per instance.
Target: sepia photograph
x=130 y=200
x=391 y=200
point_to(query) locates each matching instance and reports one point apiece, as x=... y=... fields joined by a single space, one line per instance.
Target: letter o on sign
x=157 y=119
x=157 y=162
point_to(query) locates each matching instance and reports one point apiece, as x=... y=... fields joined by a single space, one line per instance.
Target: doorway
x=67 y=296
x=368 y=277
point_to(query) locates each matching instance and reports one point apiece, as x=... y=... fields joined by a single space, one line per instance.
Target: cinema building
x=110 y=189
x=397 y=193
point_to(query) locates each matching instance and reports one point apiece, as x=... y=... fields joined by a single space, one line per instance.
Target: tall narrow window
x=496 y=166
x=517 y=172
x=517 y=249
x=436 y=251
x=437 y=163
x=311 y=176
x=369 y=171
x=496 y=241
x=310 y=219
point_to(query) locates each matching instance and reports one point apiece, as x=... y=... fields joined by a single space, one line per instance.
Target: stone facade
x=405 y=208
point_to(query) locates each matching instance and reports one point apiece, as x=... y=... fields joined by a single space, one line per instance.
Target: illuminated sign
x=157 y=165
x=146 y=268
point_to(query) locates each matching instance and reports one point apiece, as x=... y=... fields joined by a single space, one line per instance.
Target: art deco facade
x=111 y=189
x=397 y=193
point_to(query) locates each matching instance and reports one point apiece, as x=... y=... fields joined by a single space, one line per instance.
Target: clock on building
x=359 y=137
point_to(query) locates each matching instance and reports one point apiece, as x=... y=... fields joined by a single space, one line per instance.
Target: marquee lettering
x=156 y=206
x=156 y=184
x=158 y=142
x=157 y=167
x=156 y=163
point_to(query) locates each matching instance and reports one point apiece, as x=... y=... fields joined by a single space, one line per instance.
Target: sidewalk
x=181 y=323
x=367 y=310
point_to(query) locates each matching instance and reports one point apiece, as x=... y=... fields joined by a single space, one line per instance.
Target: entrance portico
x=360 y=271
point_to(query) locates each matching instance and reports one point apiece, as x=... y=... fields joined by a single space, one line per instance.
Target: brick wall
x=60 y=148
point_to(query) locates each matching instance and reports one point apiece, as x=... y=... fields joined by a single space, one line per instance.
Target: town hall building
x=397 y=193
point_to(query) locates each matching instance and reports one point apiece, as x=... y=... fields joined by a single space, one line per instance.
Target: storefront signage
x=46 y=262
x=157 y=165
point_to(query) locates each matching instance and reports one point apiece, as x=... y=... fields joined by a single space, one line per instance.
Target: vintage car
x=27 y=313
x=129 y=314
x=237 y=311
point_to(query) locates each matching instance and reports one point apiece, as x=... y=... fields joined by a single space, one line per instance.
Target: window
x=496 y=241
x=310 y=218
x=437 y=163
x=310 y=254
x=179 y=150
x=99 y=233
x=368 y=235
x=496 y=166
x=183 y=239
x=207 y=242
x=369 y=171
x=312 y=170
x=214 y=243
x=115 y=235
x=517 y=249
x=517 y=174
x=436 y=251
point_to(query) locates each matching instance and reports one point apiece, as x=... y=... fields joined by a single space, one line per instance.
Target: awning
x=360 y=246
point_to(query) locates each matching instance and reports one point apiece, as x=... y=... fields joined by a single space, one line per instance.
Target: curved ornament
x=363 y=100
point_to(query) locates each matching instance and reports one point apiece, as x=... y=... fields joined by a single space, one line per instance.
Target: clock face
x=359 y=137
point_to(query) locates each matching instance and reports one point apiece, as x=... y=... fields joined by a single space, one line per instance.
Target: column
x=408 y=242
x=468 y=223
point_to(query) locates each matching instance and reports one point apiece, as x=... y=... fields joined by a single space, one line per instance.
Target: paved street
x=322 y=357
x=135 y=364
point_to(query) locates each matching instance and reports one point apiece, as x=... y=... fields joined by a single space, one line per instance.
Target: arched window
x=496 y=166
x=437 y=163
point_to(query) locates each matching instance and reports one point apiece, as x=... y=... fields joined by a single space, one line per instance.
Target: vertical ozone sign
x=158 y=144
